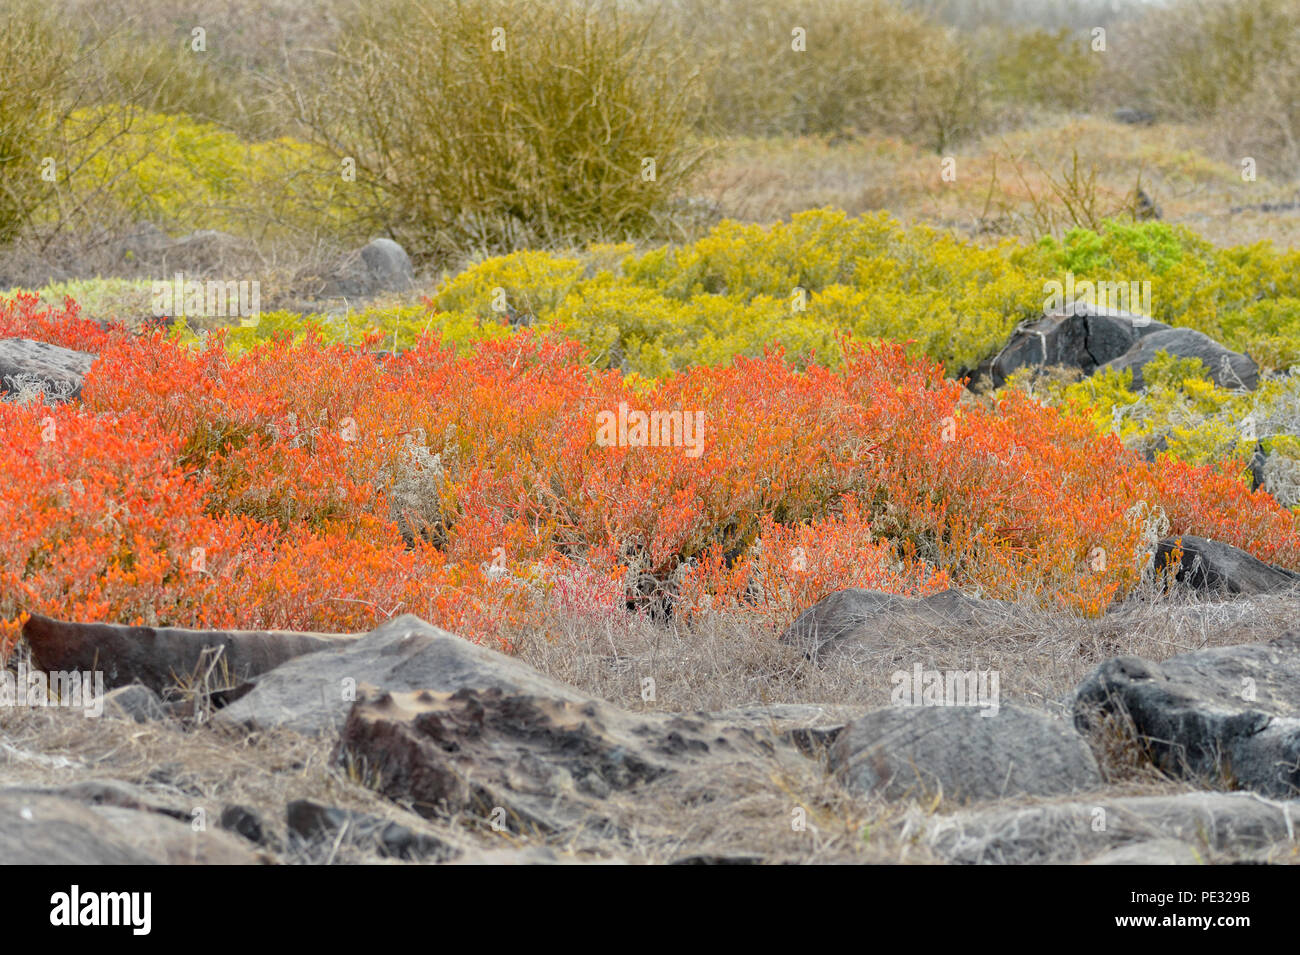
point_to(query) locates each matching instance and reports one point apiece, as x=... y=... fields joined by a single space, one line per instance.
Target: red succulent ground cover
x=295 y=486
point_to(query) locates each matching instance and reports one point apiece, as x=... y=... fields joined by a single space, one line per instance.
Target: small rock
x=380 y=266
x=135 y=702
x=247 y=823
x=313 y=822
x=1220 y=569
x=857 y=618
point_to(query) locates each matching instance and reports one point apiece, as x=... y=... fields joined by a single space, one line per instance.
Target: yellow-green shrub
x=182 y=175
x=37 y=56
x=805 y=282
x=499 y=124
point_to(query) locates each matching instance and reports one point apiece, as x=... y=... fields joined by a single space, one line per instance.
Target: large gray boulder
x=159 y=657
x=1079 y=336
x=30 y=368
x=1217 y=826
x=1228 y=369
x=962 y=752
x=1220 y=569
x=871 y=619
x=1226 y=716
x=313 y=694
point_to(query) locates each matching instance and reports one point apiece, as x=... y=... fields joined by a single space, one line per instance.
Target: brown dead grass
x=1002 y=176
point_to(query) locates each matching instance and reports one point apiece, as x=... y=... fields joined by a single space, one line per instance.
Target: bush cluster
x=313 y=486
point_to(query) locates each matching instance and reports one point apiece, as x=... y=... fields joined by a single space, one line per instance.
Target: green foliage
x=101 y=298
x=737 y=291
x=1153 y=247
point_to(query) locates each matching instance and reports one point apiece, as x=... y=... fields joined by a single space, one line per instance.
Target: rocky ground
x=1166 y=732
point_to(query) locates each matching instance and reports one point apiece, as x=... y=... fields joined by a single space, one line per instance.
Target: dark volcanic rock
x=1079 y=336
x=962 y=752
x=531 y=764
x=247 y=823
x=872 y=618
x=312 y=822
x=1229 y=369
x=29 y=367
x=1227 y=714
x=1221 y=569
x=157 y=656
